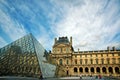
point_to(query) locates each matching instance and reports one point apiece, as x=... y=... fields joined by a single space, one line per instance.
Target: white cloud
x=87 y=23
x=45 y=38
x=11 y=27
x=46 y=42
x=92 y=24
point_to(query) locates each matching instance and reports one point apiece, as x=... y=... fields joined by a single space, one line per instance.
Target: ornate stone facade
x=72 y=63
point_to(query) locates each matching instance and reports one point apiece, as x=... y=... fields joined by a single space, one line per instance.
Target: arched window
x=60 y=61
x=75 y=69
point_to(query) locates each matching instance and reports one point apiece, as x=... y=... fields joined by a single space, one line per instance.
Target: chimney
x=108 y=48
x=55 y=40
x=71 y=40
x=113 y=48
x=78 y=50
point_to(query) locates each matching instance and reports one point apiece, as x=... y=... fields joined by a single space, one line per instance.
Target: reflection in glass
x=25 y=57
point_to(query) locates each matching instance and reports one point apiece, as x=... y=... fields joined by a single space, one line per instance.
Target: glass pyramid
x=25 y=57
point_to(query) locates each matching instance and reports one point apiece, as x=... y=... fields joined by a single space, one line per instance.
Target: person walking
x=80 y=77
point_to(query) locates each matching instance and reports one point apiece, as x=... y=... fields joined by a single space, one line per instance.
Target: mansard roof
x=63 y=40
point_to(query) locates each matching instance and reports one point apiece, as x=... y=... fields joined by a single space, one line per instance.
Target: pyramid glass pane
x=25 y=57
x=48 y=70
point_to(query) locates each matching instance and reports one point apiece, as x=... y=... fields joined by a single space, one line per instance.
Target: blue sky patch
x=93 y=25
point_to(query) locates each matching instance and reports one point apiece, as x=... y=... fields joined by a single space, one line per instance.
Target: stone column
x=107 y=71
x=83 y=70
x=101 y=70
x=89 y=70
x=78 y=71
x=95 y=70
x=113 y=71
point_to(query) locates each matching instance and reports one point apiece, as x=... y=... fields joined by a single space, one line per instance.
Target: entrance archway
x=81 y=69
x=75 y=69
x=86 y=69
x=110 y=70
x=92 y=69
x=104 y=70
x=98 y=69
x=116 y=70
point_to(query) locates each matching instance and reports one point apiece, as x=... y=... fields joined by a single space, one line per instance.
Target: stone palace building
x=85 y=63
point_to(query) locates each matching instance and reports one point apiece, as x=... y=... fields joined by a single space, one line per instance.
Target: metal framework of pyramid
x=25 y=57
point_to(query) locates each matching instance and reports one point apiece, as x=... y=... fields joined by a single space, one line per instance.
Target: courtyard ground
x=61 y=78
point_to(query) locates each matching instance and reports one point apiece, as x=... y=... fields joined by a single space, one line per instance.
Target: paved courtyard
x=89 y=78
x=85 y=78
x=62 y=78
x=17 y=78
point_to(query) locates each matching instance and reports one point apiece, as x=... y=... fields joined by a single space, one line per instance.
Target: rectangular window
x=96 y=61
x=119 y=60
x=101 y=55
x=60 y=49
x=80 y=55
x=108 y=60
x=75 y=56
x=91 y=55
x=102 y=61
x=67 y=50
x=60 y=61
x=91 y=61
x=85 y=61
x=107 y=54
x=118 y=54
x=80 y=61
x=96 y=55
x=112 y=54
x=113 y=60
x=75 y=61
x=67 y=61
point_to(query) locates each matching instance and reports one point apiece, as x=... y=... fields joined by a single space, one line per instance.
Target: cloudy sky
x=93 y=24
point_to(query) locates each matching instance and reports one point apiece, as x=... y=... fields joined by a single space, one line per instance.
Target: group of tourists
x=97 y=77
